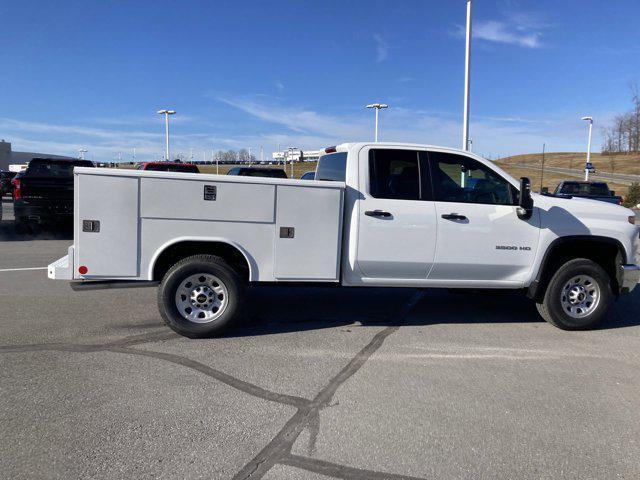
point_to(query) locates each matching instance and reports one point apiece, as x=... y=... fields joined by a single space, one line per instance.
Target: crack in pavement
x=122 y=346
x=278 y=450
x=246 y=387
x=340 y=471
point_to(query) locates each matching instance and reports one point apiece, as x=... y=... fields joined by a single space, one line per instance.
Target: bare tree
x=624 y=135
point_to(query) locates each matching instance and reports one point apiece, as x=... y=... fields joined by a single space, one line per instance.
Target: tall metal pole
x=544 y=146
x=166 y=114
x=375 y=136
x=166 y=135
x=586 y=170
x=467 y=80
x=586 y=174
x=376 y=107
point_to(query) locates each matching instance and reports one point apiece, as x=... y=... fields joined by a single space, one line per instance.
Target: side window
x=457 y=178
x=396 y=174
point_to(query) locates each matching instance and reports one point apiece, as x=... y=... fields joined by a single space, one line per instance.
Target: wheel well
x=177 y=251
x=607 y=253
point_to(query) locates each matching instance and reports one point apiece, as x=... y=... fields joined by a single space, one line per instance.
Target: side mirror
x=545 y=190
x=613 y=193
x=525 y=202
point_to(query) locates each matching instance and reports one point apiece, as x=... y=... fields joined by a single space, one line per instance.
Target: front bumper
x=629 y=277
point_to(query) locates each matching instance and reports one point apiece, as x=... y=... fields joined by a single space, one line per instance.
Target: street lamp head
x=378 y=105
x=588 y=119
x=168 y=112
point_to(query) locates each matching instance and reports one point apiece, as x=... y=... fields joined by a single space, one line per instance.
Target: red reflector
x=17 y=192
x=330 y=150
x=82 y=270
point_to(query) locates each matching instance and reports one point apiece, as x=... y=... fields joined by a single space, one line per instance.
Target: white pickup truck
x=377 y=214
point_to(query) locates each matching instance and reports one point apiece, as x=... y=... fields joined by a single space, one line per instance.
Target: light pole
x=166 y=114
x=377 y=107
x=588 y=164
x=467 y=80
x=544 y=147
x=291 y=149
x=81 y=152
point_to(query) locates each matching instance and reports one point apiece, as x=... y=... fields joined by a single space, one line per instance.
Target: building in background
x=295 y=155
x=9 y=157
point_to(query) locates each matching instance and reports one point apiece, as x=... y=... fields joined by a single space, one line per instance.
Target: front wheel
x=200 y=296
x=578 y=296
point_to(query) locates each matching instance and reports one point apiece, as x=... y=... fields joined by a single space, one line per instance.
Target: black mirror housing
x=525 y=202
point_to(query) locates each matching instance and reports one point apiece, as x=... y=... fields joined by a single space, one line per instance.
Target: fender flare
x=253 y=266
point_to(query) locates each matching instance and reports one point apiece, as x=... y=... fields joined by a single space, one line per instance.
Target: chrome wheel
x=201 y=298
x=580 y=296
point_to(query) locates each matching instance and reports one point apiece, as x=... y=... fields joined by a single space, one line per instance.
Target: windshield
x=576 y=188
x=264 y=173
x=55 y=168
x=172 y=168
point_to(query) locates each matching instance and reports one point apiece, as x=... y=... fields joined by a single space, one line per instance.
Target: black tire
x=551 y=308
x=194 y=265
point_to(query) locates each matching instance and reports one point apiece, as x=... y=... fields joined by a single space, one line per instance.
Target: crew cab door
x=481 y=240
x=396 y=217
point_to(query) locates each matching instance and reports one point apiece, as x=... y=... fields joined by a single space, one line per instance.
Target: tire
x=200 y=296
x=578 y=296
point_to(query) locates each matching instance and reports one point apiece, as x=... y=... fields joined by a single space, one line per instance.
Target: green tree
x=633 y=197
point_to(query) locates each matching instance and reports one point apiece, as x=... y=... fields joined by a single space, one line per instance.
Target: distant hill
x=528 y=165
x=610 y=163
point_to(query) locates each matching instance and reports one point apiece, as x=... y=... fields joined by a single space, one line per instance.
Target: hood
x=583 y=217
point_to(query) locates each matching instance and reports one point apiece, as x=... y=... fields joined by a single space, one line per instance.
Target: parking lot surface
x=317 y=383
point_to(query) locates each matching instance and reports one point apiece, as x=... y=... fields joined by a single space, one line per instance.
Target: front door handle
x=377 y=213
x=453 y=216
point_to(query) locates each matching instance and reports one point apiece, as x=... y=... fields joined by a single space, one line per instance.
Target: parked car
x=258 y=172
x=43 y=193
x=591 y=190
x=378 y=215
x=169 y=167
x=6 y=185
x=308 y=175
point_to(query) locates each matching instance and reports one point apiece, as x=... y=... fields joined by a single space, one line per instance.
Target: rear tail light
x=17 y=192
x=330 y=150
x=632 y=219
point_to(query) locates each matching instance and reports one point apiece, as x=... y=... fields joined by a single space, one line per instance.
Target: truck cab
x=377 y=214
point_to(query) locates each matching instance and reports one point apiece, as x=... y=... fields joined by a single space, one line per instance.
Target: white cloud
x=279 y=86
x=520 y=29
x=382 y=48
x=493 y=136
x=282 y=124
x=501 y=32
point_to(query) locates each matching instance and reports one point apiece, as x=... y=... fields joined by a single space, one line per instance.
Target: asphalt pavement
x=316 y=383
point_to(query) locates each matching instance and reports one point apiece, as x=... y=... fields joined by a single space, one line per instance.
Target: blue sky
x=261 y=73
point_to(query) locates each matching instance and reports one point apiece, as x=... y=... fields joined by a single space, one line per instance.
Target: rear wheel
x=578 y=296
x=200 y=296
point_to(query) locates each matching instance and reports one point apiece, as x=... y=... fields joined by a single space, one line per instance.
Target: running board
x=105 y=284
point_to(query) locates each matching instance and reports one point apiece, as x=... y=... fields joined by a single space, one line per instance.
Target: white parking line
x=21 y=269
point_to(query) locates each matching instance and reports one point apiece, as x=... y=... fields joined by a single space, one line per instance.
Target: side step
x=105 y=284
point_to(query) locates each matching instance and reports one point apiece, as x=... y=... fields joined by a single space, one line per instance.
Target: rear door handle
x=453 y=216
x=377 y=213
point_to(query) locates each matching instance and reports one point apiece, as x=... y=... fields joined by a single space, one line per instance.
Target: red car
x=169 y=167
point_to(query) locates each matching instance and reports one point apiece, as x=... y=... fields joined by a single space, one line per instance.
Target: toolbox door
x=106 y=226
